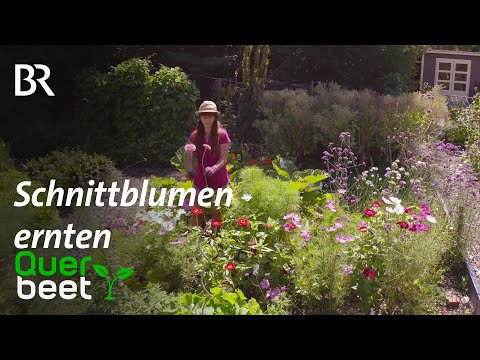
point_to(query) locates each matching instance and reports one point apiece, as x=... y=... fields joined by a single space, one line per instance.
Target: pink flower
x=422 y=228
x=376 y=204
x=362 y=228
x=370 y=212
x=189 y=148
x=295 y=218
x=330 y=205
x=206 y=146
x=342 y=191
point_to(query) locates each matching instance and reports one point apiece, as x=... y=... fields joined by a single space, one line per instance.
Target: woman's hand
x=209 y=171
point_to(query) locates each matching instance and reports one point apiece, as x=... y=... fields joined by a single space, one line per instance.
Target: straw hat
x=207 y=107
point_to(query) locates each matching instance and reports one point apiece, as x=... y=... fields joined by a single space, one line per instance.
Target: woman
x=212 y=144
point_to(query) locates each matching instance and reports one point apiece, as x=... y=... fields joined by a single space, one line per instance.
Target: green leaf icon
x=124 y=273
x=101 y=270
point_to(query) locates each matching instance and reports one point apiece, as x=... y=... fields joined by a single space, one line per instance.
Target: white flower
x=247 y=197
x=149 y=247
x=395 y=200
x=399 y=209
x=386 y=201
x=431 y=219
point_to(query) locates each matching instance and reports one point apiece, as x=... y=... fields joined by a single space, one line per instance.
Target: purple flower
x=265 y=284
x=180 y=240
x=344 y=135
x=342 y=191
x=295 y=218
x=272 y=294
x=305 y=235
x=343 y=238
x=347 y=270
x=330 y=205
x=335 y=227
x=120 y=223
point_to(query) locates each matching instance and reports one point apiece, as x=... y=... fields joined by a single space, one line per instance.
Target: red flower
x=370 y=273
x=234 y=156
x=376 y=204
x=268 y=162
x=242 y=222
x=197 y=211
x=253 y=162
x=268 y=226
x=216 y=222
x=230 y=266
x=362 y=228
x=402 y=224
x=141 y=222
x=370 y=212
x=255 y=251
x=406 y=209
x=291 y=225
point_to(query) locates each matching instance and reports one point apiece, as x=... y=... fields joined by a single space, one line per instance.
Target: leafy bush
x=464 y=125
x=147 y=248
x=14 y=219
x=72 y=168
x=131 y=112
x=28 y=217
x=270 y=197
x=300 y=126
x=5 y=162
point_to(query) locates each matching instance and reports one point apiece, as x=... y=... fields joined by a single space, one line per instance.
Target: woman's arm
x=221 y=162
x=224 y=148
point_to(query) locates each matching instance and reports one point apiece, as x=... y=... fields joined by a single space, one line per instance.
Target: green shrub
x=300 y=126
x=28 y=217
x=72 y=168
x=413 y=272
x=270 y=197
x=5 y=162
x=152 y=256
x=131 y=112
x=320 y=283
x=14 y=219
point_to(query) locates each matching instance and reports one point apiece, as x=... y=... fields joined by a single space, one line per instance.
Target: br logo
x=33 y=84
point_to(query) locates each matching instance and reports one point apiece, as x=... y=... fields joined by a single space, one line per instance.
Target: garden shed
x=457 y=72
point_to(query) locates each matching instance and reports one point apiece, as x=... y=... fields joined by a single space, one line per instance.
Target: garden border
x=474 y=287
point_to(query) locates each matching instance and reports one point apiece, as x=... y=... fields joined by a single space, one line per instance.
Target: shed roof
x=453 y=52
